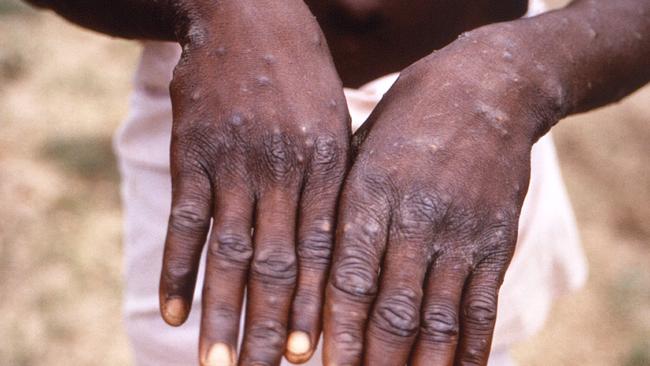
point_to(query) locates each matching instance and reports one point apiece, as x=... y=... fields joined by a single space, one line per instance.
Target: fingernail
x=175 y=311
x=298 y=345
x=220 y=355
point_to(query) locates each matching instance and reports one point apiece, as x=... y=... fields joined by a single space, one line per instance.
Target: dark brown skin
x=441 y=168
x=263 y=145
x=371 y=38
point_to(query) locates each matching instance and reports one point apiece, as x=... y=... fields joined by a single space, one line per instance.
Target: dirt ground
x=63 y=91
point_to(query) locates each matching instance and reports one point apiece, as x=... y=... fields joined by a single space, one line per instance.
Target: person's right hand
x=260 y=140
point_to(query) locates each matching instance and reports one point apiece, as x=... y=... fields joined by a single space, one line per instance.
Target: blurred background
x=63 y=91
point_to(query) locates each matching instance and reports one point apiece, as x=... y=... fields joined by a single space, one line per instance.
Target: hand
x=429 y=211
x=260 y=139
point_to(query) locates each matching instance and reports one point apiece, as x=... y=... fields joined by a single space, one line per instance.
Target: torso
x=371 y=38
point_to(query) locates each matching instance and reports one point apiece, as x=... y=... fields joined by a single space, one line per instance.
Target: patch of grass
x=85 y=157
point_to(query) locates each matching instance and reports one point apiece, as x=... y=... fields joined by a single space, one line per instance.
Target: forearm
x=597 y=50
x=135 y=19
x=589 y=54
x=184 y=21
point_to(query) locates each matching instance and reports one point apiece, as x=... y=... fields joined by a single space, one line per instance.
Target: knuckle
x=502 y=226
x=424 y=205
x=273 y=266
x=481 y=311
x=498 y=236
x=463 y=222
x=350 y=343
x=190 y=218
x=178 y=269
x=419 y=213
x=233 y=247
x=195 y=143
x=440 y=323
x=354 y=274
x=398 y=313
x=307 y=304
x=495 y=244
x=376 y=186
x=327 y=154
x=494 y=258
x=266 y=334
x=279 y=156
x=363 y=219
x=316 y=247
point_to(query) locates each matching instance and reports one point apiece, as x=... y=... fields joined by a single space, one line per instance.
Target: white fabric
x=548 y=261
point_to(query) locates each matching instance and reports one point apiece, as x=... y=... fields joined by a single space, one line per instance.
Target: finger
x=189 y=222
x=315 y=241
x=479 y=311
x=352 y=286
x=229 y=252
x=272 y=279
x=439 y=327
x=395 y=318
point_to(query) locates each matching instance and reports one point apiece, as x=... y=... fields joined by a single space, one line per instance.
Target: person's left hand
x=429 y=212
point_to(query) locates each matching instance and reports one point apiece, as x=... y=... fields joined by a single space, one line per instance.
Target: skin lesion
x=327 y=152
x=279 y=155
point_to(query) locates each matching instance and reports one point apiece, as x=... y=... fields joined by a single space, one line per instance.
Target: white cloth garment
x=548 y=260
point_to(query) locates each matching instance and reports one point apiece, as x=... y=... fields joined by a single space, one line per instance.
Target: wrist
x=513 y=73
